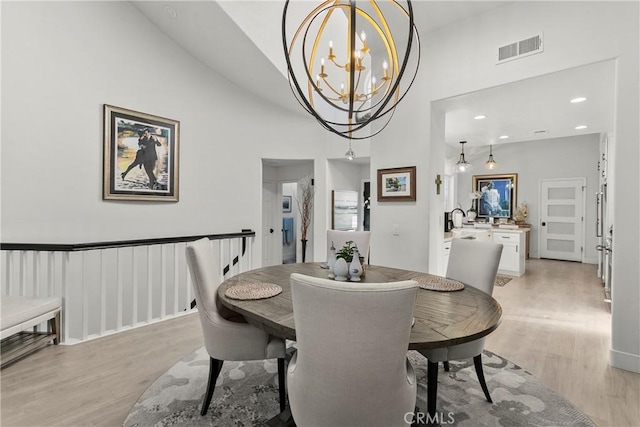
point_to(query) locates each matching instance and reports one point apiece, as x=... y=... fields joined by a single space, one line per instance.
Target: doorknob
x=271 y=230
x=544 y=223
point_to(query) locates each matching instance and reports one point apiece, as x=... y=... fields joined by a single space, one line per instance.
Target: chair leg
x=432 y=388
x=281 y=386
x=477 y=361
x=446 y=365
x=215 y=366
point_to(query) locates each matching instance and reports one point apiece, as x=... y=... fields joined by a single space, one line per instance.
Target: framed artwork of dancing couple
x=141 y=153
x=497 y=195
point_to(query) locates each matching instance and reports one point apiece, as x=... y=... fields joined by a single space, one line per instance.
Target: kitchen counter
x=514 y=245
x=470 y=229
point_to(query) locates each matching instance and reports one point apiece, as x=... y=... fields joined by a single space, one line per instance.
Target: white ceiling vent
x=520 y=49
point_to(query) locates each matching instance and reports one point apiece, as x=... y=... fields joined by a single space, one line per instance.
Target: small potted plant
x=346 y=252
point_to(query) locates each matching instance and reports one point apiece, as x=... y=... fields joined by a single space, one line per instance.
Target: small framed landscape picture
x=140 y=156
x=397 y=184
x=286 y=204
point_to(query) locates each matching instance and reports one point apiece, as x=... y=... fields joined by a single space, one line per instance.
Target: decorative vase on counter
x=355 y=269
x=341 y=270
x=331 y=261
x=457 y=216
x=471 y=215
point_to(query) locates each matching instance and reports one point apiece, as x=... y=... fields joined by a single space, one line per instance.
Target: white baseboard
x=74 y=341
x=590 y=261
x=626 y=361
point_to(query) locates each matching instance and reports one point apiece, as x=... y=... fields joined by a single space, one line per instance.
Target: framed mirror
x=344 y=210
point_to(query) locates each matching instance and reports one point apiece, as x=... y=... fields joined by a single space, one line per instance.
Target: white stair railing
x=109 y=287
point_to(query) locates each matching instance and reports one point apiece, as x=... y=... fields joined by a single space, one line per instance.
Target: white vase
x=341 y=270
x=471 y=215
x=355 y=269
x=331 y=261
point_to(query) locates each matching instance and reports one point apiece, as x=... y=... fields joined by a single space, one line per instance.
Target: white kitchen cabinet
x=446 y=249
x=512 y=261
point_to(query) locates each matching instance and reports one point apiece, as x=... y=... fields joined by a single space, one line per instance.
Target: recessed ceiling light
x=480 y=117
x=577 y=100
x=503 y=136
x=170 y=11
x=580 y=127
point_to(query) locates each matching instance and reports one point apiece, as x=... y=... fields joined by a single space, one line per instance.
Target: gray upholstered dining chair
x=351 y=367
x=227 y=336
x=360 y=238
x=474 y=263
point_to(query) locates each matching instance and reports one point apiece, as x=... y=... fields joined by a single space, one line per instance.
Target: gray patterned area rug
x=247 y=395
x=502 y=280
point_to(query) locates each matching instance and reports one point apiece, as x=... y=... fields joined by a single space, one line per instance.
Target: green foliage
x=346 y=251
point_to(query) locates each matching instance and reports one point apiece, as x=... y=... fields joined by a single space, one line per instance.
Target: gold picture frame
x=498 y=195
x=141 y=156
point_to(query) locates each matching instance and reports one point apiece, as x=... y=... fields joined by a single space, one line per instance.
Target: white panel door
x=561 y=219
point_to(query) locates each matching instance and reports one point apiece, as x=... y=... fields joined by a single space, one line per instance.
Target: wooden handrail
x=74 y=247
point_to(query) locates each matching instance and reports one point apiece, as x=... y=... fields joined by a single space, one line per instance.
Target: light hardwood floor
x=555 y=325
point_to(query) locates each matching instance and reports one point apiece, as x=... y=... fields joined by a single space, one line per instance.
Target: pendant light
x=491 y=164
x=463 y=166
x=350 y=155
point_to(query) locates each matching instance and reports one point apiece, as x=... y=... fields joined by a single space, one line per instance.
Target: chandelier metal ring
x=363 y=102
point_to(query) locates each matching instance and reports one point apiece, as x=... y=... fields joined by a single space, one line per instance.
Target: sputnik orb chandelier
x=350 y=65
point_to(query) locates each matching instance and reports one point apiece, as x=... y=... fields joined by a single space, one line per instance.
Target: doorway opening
x=289 y=222
x=280 y=216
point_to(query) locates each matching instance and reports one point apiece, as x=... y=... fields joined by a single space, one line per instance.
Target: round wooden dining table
x=441 y=318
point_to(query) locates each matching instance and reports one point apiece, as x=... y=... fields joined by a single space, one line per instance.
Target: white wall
x=60 y=63
x=459 y=59
x=571 y=157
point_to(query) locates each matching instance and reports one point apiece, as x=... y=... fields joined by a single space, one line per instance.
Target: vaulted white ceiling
x=241 y=40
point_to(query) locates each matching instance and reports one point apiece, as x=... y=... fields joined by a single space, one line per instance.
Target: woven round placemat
x=438 y=283
x=253 y=291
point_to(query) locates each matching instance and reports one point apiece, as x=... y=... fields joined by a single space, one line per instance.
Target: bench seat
x=19 y=314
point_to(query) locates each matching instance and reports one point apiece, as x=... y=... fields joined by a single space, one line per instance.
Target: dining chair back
x=350 y=367
x=474 y=263
x=227 y=335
